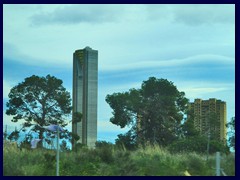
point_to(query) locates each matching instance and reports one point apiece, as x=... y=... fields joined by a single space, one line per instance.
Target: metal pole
x=57 y=163
x=208 y=144
x=218 y=166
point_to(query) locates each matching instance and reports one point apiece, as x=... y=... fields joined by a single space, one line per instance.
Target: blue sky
x=190 y=45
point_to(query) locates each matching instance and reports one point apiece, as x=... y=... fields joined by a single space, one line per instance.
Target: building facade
x=210 y=118
x=85 y=92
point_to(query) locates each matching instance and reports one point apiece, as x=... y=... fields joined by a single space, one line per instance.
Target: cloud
x=200 y=14
x=132 y=36
x=74 y=14
x=192 y=14
x=187 y=14
x=205 y=89
x=183 y=43
x=193 y=61
x=14 y=53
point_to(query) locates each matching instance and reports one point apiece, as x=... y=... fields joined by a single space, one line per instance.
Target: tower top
x=88 y=48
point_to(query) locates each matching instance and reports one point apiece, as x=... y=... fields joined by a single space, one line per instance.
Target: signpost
x=53 y=128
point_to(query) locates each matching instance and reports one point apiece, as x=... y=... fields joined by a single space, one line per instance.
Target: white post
x=218 y=166
x=57 y=158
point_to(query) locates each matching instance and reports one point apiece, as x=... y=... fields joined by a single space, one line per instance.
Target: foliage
x=104 y=150
x=213 y=124
x=103 y=144
x=77 y=117
x=197 y=145
x=126 y=141
x=150 y=161
x=39 y=101
x=153 y=112
x=191 y=144
x=192 y=141
x=187 y=127
x=13 y=136
x=64 y=146
x=231 y=133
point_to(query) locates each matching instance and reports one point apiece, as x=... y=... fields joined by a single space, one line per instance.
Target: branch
x=33 y=113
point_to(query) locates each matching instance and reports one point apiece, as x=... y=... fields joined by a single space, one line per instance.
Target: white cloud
x=205 y=58
x=197 y=92
x=189 y=14
x=130 y=39
x=74 y=14
x=202 y=14
x=206 y=89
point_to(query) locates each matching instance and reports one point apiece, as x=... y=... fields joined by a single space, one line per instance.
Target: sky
x=192 y=45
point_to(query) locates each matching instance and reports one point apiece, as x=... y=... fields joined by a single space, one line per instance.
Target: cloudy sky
x=191 y=45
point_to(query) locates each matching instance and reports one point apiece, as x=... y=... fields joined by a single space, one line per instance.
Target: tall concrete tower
x=85 y=88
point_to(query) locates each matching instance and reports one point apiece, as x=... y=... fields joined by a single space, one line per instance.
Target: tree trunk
x=41 y=137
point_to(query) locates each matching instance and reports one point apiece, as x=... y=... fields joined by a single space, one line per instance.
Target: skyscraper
x=85 y=88
x=210 y=118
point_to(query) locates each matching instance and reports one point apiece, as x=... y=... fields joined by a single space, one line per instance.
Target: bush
x=108 y=161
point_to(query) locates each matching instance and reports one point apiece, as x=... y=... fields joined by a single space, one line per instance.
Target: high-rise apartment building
x=85 y=88
x=210 y=118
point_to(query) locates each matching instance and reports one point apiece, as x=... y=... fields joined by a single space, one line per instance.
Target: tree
x=197 y=144
x=153 y=112
x=127 y=141
x=213 y=124
x=103 y=144
x=39 y=101
x=187 y=128
x=192 y=141
x=14 y=136
x=231 y=133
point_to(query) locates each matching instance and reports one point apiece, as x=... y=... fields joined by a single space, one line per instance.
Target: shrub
x=108 y=161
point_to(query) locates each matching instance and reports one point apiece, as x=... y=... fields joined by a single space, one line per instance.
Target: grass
x=109 y=161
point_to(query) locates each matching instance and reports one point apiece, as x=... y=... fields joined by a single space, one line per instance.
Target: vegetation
x=192 y=141
x=153 y=112
x=109 y=160
x=231 y=133
x=158 y=114
x=162 y=140
x=39 y=101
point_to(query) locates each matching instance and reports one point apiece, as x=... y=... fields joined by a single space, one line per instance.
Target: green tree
x=231 y=133
x=64 y=146
x=197 y=144
x=39 y=101
x=76 y=118
x=214 y=123
x=127 y=141
x=187 y=128
x=153 y=112
x=192 y=141
x=14 y=136
x=103 y=144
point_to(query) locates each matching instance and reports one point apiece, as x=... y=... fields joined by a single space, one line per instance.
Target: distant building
x=85 y=88
x=210 y=117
